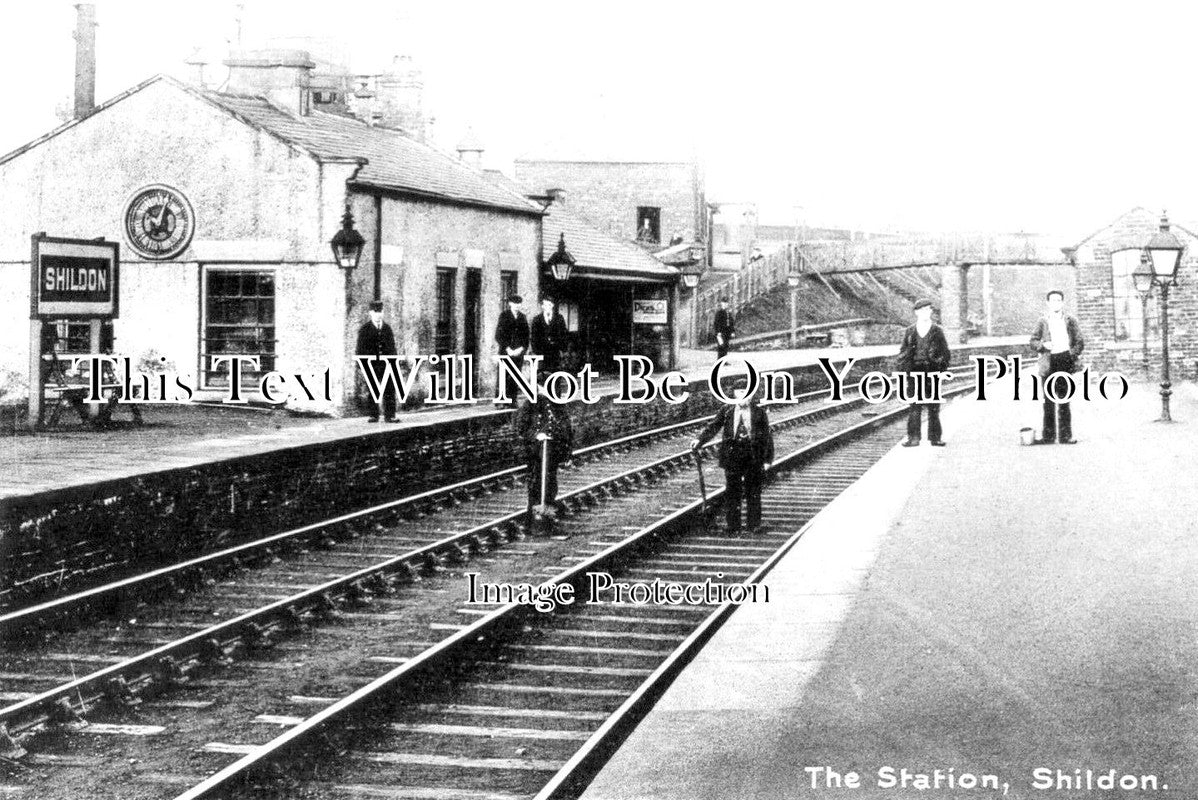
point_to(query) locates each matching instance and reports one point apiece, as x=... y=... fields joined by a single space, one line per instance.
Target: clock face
x=159 y=222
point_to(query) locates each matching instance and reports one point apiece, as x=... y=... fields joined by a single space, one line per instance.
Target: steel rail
x=584 y=765
x=404 y=681
x=14 y=622
x=169 y=663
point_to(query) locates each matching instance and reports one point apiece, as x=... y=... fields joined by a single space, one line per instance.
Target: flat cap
x=376 y=305
x=924 y=303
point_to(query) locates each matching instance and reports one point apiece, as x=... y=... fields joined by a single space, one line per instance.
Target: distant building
x=1110 y=311
x=647 y=201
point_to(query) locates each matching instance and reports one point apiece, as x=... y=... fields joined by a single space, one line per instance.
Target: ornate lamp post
x=691 y=275
x=1164 y=251
x=1142 y=279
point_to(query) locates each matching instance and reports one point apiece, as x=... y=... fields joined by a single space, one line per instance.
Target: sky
x=1048 y=117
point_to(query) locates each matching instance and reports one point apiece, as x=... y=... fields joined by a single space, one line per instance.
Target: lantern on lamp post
x=1164 y=251
x=347 y=243
x=561 y=263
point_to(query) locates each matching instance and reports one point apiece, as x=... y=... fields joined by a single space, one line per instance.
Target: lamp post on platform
x=792 y=280
x=1142 y=279
x=1164 y=251
x=691 y=274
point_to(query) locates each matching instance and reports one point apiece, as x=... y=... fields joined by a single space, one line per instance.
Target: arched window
x=1128 y=308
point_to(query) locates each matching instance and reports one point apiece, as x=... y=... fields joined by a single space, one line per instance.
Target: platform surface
x=187 y=436
x=984 y=608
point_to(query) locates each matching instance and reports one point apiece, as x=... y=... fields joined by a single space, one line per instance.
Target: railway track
x=185 y=645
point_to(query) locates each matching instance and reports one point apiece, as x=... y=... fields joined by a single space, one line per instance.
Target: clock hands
x=158 y=226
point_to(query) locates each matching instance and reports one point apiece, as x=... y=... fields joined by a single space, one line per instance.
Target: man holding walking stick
x=544 y=431
x=746 y=450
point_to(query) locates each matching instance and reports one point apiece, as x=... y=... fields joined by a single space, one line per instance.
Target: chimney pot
x=85 y=59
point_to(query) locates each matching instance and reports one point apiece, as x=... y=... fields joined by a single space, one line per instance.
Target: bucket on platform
x=1027 y=436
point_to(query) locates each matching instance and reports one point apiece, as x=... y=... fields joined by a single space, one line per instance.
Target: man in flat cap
x=511 y=339
x=376 y=340
x=924 y=350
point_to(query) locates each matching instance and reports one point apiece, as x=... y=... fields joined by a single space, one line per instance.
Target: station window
x=324 y=98
x=648 y=224
x=509 y=284
x=1128 y=309
x=444 y=335
x=239 y=318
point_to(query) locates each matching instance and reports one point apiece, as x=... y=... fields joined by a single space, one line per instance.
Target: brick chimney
x=281 y=76
x=85 y=59
x=470 y=149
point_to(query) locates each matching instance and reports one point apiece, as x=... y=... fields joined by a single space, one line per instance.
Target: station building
x=1110 y=311
x=252 y=183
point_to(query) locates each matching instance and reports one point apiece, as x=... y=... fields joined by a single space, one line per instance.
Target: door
x=473 y=320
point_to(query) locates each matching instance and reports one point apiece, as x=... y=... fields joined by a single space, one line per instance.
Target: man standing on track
x=544 y=431
x=745 y=453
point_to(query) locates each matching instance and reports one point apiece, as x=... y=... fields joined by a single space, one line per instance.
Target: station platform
x=982 y=609
x=181 y=436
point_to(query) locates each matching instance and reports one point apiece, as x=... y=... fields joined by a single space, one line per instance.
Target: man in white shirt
x=1058 y=340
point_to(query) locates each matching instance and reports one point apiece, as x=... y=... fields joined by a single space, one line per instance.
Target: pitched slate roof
x=392 y=160
x=596 y=254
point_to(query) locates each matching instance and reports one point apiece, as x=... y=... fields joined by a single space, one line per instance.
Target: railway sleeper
x=358 y=595
x=63 y=714
x=217 y=653
x=121 y=691
x=9 y=749
x=259 y=636
x=171 y=672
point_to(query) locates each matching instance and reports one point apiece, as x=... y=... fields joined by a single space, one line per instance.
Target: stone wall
x=608 y=192
x=71 y=539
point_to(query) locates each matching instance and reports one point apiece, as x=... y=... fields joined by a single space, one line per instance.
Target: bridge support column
x=954 y=301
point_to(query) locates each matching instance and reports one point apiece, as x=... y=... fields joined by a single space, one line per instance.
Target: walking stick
x=543 y=508
x=702 y=483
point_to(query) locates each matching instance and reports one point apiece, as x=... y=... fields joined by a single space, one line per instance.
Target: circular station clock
x=159 y=222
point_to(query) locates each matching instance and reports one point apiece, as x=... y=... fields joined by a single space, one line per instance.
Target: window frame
x=270 y=357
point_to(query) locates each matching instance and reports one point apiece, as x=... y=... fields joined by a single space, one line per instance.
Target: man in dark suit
x=924 y=350
x=723 y=329
x=376 y=340
x=745 y=452
x=548 y=336
x=511 y=338
x=1058 y=340
x=547 y=438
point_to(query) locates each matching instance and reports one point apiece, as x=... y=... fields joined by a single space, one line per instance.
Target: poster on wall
x=650 y=312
